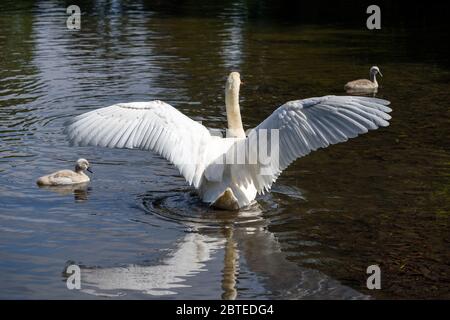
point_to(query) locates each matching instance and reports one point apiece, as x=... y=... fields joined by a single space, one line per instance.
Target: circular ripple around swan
x=184 y=206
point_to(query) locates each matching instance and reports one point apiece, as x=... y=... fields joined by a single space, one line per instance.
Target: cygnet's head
x=375 y=70
x=82 y=165
x=233 y=81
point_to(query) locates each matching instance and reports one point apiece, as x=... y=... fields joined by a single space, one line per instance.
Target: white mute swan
x=67 y=177
x=364 y=84
x=209 y=162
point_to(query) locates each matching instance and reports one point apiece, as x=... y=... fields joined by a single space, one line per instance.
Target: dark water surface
x=139 y=231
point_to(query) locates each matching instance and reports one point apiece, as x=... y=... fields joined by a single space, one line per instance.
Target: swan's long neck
x=235 y=128
x=79 y=170
x=373 y=78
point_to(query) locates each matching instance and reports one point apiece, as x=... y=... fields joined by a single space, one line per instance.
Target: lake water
x=139 y=231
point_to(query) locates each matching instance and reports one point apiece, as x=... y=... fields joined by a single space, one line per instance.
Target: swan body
x=67 y=177
x=365 y=85
x=293 y=130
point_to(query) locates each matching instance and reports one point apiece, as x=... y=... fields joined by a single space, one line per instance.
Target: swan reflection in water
x=249 y=243
x=80 y=191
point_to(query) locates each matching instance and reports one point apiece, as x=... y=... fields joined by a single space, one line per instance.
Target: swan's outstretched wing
x=153 y=125
x=309 y=124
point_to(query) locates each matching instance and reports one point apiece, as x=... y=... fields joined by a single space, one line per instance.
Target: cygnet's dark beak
x=89 y=169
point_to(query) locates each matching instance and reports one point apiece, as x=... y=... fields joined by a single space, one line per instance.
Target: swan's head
x=375 y=70
x=233 y=81
x=82 y=165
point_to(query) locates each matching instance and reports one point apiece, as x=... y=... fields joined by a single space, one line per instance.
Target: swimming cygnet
x=67 y=177
x=365 y=84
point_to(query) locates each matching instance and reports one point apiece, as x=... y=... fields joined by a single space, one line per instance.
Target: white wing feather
x=309 y=124
x=154 y=125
